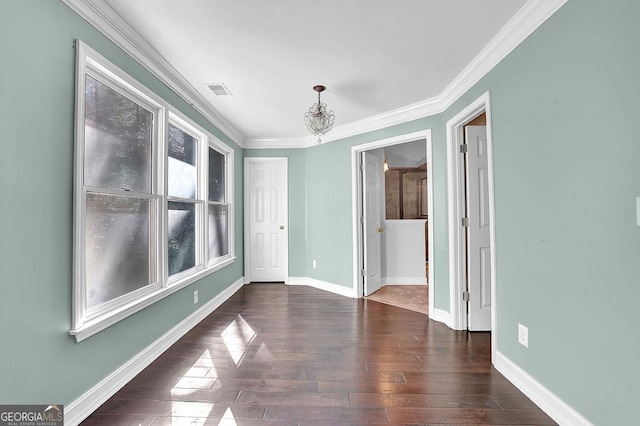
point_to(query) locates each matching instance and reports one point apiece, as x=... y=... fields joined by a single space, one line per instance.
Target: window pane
x=216 y=176
x=182 y=237
x=117 y=140
x=118 y=248
x=182 y=163
x=218 y=231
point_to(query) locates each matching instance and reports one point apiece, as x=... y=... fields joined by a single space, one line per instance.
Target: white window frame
x=219 y=146
x=201 y=138
x=87 y=322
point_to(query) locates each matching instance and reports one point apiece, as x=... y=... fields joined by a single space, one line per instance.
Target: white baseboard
x=322 y=285
x=555 y=408
x=82 y=407
x=441 y=316
x=405 y=281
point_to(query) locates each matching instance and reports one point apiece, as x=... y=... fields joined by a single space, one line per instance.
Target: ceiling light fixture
x=318 y=120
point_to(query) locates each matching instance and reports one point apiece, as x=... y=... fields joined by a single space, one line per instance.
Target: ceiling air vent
x=219 y=89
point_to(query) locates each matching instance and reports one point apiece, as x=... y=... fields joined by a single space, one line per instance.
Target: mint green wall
x=296 y=161
x=567 y=172
x=566 y=164
x=39 y=361
x=330 y=213
x=320 y=206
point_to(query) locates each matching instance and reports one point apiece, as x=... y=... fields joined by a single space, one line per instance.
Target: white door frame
x=356 y=205
x=456 y=202
x=247 y=200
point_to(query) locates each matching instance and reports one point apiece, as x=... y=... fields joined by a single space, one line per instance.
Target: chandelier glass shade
x=318 y=120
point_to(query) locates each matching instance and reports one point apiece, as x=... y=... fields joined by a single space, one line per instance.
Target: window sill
x=95 y=325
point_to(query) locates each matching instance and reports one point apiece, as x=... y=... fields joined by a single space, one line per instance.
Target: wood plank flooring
x=297 y=356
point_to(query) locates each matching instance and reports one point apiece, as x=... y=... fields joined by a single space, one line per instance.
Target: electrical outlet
x=314 y=264
x=523 y=335
x=195 y=297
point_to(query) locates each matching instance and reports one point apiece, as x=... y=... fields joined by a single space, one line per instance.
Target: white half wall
x=404 y=252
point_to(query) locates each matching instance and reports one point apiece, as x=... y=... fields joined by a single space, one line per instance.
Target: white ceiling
x=374 y=56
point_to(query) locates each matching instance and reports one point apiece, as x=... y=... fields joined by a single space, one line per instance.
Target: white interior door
x=479 y=230
x=372 y=183
x=266 y=219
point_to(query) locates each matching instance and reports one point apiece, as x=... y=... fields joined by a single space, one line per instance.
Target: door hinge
x=363 y=272
x=465 y=222
x=465 y=296
x=464 y=148
x=361 y=219
x=361 y=167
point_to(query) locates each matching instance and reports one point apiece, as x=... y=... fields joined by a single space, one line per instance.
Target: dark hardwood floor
x=281 y=355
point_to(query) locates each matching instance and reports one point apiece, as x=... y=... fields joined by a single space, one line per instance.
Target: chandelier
x=318 y=119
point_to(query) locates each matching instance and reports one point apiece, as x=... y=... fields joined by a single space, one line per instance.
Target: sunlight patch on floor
x=237 y=337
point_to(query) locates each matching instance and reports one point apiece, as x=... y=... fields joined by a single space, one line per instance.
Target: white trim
x=419 y=281
x=533 y=14
x=356 y=195
x=88 y=402
x=277 y=143
x=322 y=285
x=89 y=328
x=441 y=316
x=430 y=238
x=87 y=322
x=101 y=16
x=549 y=402
x=455 y=196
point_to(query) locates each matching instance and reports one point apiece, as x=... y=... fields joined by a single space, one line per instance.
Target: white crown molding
x=108 y=22
x=549 y=402
x=88 y=402
x=533 y=14
x=401 y=115
x=276 y=143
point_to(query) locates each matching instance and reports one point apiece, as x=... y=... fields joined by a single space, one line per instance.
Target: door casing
x=356 y=190
x=456 y=205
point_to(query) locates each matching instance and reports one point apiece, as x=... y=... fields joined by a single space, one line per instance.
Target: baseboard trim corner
x=322 y=285
x=88 y=402
x=441 y=316
x=550 y=403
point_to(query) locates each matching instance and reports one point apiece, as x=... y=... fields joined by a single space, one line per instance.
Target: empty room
x=303 y=213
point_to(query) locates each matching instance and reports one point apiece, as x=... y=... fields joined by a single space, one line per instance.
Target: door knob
x=281 y=226
x=381 y=230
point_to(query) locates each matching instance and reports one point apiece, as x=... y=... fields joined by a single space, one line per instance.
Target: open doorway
x=369 y=237
x=471 y=219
